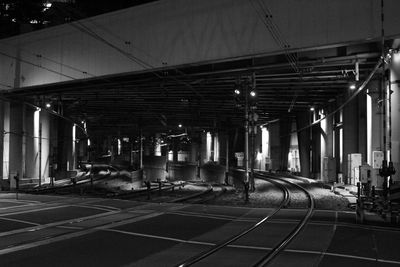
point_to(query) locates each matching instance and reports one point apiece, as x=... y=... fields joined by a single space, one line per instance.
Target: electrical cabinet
x=354 y=161
x=365 y=173
x=377 y=158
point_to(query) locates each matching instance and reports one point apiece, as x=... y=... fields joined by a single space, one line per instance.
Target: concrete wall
x=175 y=32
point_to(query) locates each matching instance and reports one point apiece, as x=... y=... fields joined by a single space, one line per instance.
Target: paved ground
x=63 y=231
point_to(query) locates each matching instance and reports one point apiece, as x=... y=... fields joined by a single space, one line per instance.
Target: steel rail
x=194 y=196
x=217 y=247
x=141 y=192
x=281 y=246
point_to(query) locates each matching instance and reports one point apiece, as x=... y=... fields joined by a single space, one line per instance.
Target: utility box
x=239 y=156
x=340 y=178
x=13 y=179
x=365 y=173
x=377 y=158
x=354 y=161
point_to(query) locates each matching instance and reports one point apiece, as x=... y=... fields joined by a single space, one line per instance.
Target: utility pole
x=40 y=154
x=246 y=143
x=141 y=149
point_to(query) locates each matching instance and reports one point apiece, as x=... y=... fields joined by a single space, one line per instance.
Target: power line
x=266 y=17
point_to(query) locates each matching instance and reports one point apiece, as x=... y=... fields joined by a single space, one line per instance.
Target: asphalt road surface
x=65 y=231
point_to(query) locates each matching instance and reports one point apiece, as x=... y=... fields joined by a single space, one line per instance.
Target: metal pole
x=252 y=186
x=246 y=135
x=246 y=144
x=141 y=151
x=40 y=154
x=227 y=160
x=383 y=85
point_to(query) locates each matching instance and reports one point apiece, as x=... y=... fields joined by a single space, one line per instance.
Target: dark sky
x=19 y=16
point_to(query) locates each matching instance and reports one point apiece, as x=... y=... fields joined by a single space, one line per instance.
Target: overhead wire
x=266 y=17
x=357 y=92
x=85 y=29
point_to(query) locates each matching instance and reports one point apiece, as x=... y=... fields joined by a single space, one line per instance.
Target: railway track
x=153 y=188
x=286 y=187
x=209 y=194
x=67 y=185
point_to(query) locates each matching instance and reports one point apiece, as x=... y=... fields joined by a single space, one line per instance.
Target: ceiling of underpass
x=201 y=96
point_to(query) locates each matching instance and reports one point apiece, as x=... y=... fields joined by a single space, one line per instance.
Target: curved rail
x=217 y=247
x=194 y=196
x=84 y=181
x=277 y=249
x=141 y=192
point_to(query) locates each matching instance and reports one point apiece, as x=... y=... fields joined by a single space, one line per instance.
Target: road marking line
x=317 y=253
x=160 y=237
x=105 y=207
x=95 y=207
x=360 y=257
x=16 y=220
x=75 y=234
x=34 y=210
x=70 y=227
x=7 y=200
x=55 y=224
x=222 y=217
x=16 y=206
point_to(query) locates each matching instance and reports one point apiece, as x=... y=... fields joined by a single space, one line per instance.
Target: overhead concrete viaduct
x=99 y=73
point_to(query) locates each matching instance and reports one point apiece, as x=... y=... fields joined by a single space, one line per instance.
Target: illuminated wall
x=395 y=117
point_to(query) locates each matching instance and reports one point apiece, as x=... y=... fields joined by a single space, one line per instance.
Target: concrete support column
x=1 y=141
x=395 y=116
x=31 y=143
x=350 y=135
x=259 y=159
x=72 y=160
x=354 y=131
x=194 y=150
x=328 y=166
x=16 y=141
x=265 y=140
x=284 y=132
x=279 y=134
x=64 y=138
x=203 y=150
x=45 y=125
x=157 y=147
x=175 y=150
x=275 y=147
x=316 y=147
x=374 y=120
x=216 y=147
x=5 y=136
x=303 y=137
